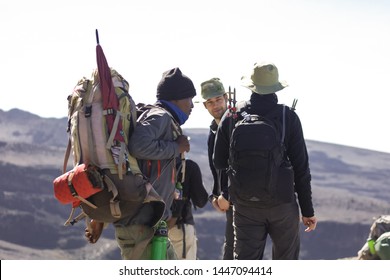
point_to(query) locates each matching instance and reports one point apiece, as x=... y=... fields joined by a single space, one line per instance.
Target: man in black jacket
x=215 y=101
x=280 y=218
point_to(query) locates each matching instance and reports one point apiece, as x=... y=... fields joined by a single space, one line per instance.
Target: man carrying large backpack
x=156 y=142
x=261 y=145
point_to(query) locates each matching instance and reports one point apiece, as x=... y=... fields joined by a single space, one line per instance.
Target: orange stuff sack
x=78 y=184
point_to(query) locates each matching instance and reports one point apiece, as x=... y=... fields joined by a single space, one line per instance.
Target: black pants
x=252 y=226
x=229 y=236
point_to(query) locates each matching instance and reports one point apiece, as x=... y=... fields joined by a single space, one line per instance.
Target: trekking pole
x=232 y=108
x=179 y=183
x=230 y=101
x=295 y=101
x=234 y=104
x=183 y=169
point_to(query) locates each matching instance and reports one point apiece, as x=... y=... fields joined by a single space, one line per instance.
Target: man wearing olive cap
x=215 y=101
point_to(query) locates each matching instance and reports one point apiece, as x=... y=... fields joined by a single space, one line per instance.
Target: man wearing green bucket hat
x=268 y=167
x=215 y=101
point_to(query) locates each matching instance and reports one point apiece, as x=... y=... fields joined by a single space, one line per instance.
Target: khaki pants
x=134 y=242
x=183 y=237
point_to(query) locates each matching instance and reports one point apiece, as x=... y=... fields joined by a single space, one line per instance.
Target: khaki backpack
x=378 y=242
x=123 y=188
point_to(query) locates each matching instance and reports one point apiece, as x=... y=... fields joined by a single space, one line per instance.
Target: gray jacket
x=153 y=144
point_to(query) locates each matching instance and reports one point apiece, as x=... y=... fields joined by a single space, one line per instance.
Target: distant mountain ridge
x=20 y=126
x=350 y=187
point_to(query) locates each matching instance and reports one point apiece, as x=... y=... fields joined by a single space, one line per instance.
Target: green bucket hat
x=212 y=88
x=264 y=79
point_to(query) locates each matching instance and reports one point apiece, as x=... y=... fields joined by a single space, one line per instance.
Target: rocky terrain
x=351 y=186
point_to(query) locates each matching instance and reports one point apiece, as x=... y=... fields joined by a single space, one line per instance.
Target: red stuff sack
x=78 y=184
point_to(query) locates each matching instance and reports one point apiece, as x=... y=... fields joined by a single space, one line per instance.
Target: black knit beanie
x=175 y=86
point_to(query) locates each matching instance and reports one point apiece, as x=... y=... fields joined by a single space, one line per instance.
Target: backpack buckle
x=110 y=111
x=88 y=111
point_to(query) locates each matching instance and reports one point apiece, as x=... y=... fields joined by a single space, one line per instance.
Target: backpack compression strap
x=183 y=167
x=283 y=124
x=114 y=202
x=248 y=103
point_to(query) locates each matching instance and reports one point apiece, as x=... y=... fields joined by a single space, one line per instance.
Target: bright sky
x=333 y=53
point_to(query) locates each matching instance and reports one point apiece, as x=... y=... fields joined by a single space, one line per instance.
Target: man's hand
x=184 y=143
x=93 y=231
x=310 y=222
x=171 y=222
x=223 y=203
x=220 y=203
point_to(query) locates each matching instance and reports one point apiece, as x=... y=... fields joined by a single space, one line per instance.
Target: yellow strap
x=110 y=141
x=67 y=222
x=66 y=157
x=71 y=220
x=86 y=202
x=114 y=204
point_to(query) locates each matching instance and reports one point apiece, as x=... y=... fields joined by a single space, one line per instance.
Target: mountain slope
x=350 y=187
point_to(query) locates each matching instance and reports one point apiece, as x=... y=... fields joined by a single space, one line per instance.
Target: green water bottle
x=179 y=191
x=159 y=242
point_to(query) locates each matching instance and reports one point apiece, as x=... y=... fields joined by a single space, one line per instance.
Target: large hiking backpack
x=382 y=246
x=259 y=171
x=378 y=242
x=90 y=139
x=101 y=117
x=122 y=187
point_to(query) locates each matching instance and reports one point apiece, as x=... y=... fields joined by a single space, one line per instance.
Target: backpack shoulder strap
x=84 y=85
x=183 y=167
x=283 y=124
x=142 y=108
x=175 y=125
x=67 y=155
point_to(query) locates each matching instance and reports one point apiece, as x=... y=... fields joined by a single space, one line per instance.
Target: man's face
x=185 y=105
x=216 y=106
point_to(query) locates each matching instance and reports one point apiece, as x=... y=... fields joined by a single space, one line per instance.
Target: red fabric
x=110 y=100
x=80 y=182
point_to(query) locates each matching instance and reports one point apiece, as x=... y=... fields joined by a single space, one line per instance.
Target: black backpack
x=259 y=171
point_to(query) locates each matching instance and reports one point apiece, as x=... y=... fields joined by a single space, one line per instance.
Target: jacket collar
x=213 y=127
